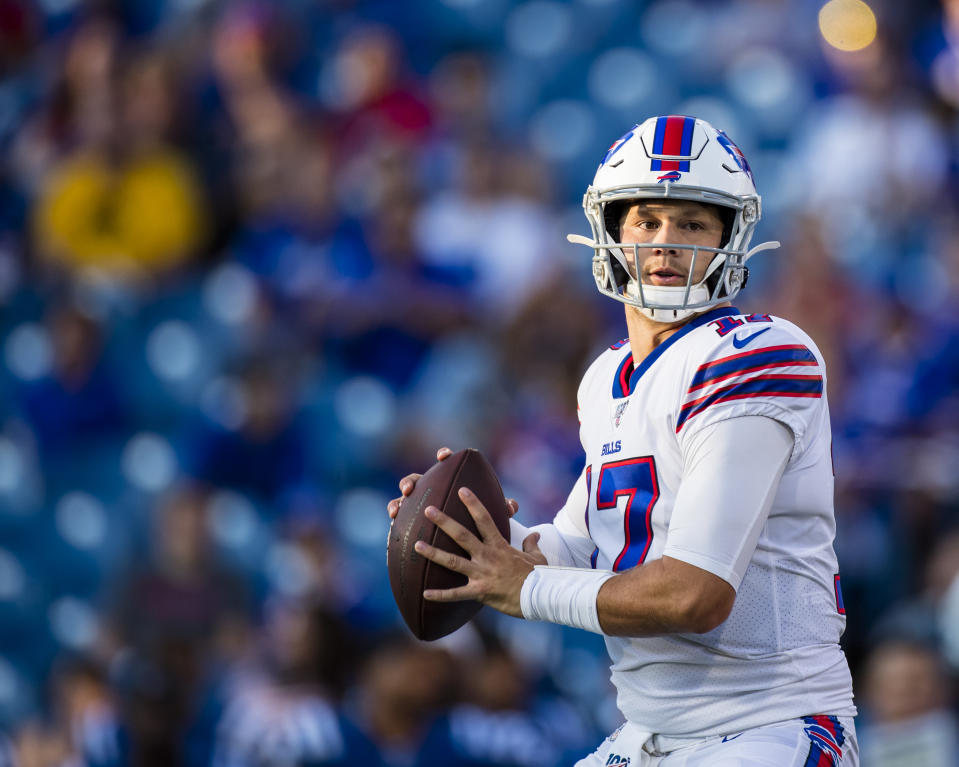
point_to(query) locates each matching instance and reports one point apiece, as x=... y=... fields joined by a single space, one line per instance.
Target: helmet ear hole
x=728 y=217
x=613 y=214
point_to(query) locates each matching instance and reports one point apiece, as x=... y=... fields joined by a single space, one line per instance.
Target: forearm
x=664 y=596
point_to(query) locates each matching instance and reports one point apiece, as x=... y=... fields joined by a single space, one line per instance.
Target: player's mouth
x=666 y=276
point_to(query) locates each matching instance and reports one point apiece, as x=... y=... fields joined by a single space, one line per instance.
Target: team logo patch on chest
x=612 y=447
x=618 y=415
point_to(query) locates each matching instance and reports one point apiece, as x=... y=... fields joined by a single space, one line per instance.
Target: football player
x=699 y=537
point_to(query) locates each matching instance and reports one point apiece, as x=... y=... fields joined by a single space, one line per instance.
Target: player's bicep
x=730 y=479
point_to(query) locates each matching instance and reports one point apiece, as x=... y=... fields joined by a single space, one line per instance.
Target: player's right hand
x=409 y=482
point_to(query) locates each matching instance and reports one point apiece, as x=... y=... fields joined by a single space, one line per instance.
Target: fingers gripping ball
x=411 y=573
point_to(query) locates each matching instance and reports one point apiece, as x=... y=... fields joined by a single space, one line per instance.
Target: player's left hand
x=495 y=569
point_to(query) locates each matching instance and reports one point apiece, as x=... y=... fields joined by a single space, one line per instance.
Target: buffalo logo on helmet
x=617 y=145
x=735 y=152
x=672 y=176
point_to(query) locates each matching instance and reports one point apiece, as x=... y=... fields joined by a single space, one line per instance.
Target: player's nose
x=665 y=234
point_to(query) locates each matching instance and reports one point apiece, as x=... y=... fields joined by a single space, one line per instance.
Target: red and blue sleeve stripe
x=673 y=137
x=840 y=605
x=770 y=385
x=758 y=359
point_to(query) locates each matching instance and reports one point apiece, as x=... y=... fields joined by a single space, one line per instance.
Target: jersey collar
x=627 y=376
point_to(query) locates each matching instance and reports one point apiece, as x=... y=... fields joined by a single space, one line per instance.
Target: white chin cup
x=664 y=297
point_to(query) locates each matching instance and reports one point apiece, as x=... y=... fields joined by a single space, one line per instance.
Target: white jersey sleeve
x=730 y=479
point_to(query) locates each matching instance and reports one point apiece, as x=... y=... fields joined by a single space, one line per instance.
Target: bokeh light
x=149 y=462
x=10 y=685
x=622 y=78
x=232 y=519
x=230 y=294
x=28 y=352
x=562 y=129
x=173 y=350
x=224 y=402
x=365 y=406
x=12 y=468
x=849 y=25
x=81 y=520
x=538 y=29
x=12 y=577
x=359 y=517
x=73 y=622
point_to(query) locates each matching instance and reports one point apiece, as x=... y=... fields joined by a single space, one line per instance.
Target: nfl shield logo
x=620 y=409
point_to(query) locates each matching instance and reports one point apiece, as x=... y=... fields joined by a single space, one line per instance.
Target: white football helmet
x=673 y=157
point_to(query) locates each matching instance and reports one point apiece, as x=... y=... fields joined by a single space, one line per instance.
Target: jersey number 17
x=634 y=478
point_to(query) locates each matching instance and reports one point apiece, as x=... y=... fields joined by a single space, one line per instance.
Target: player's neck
x=645 y=335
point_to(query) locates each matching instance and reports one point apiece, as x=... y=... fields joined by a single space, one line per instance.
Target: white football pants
x=814 y=741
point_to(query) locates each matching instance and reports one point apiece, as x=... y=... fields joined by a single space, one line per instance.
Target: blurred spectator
x=863 y=156
x=283 y=711
x=78 y=109
x=7 y=755
x=944 y=67
x=461 y=89
x=907 y=695
x=494 y=724
x=491 y=231
x=19 y=28
x=78 y=401
x=897 y=610
x=178 y=614
x=82 y=728
x=829 y=309
x=313 y=552
x=403 y=691
x=368 y=88
x=266 y=454
x=550 y=341
x=124 y=204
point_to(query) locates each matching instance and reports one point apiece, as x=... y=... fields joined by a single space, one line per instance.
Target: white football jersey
x=777 y=656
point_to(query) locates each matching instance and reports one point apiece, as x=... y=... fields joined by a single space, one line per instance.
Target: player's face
x=672 y=222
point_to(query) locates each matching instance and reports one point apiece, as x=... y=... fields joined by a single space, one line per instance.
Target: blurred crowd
x=259 y=259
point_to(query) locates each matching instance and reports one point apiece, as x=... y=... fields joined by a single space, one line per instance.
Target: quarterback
x=699 y=537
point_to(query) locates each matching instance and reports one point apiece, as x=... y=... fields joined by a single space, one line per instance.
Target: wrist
x=564 y=595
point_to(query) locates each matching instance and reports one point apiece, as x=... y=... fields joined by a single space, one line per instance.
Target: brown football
x=411 y=573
